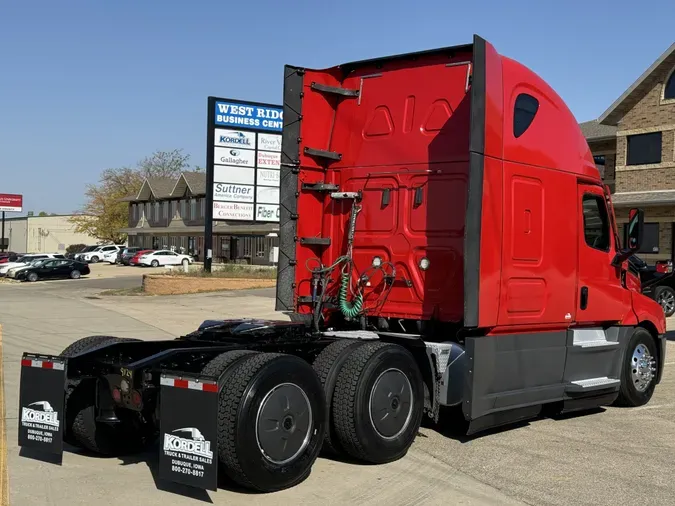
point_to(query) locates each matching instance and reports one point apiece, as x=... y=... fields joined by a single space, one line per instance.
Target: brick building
x=169 y=213
x=633 y=142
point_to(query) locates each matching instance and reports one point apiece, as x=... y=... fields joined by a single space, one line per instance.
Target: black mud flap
x=188 y=451
x=42 y=403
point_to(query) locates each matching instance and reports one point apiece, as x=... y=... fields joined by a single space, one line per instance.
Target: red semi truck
x=446 y=241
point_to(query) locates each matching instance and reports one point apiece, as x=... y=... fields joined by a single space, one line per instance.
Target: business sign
x=268 y=160
x=234 y=139
x=11 y=202
x=268 y=177
x=248 y=115
x=232 y=211
x=244 y=155
x=269 y=142
x=234 y=156
x=266 y=212
x=233 y=192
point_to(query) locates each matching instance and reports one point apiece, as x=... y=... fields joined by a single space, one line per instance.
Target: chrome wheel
x=667 y=300
x=284 y=423
x=643 y=368
x=391 y=404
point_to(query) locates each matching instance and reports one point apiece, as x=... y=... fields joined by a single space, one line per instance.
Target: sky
x=87 y=85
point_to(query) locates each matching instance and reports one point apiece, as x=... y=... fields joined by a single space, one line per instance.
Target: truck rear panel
x=400 y=130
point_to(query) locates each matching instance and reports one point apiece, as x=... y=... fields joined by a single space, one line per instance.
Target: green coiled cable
x=348 y=309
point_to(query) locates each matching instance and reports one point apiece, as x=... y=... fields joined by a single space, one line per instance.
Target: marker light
x=424 y=263
x=377 y=261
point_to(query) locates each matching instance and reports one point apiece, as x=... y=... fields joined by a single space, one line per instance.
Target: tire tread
x=345 y=398
x=228 y=412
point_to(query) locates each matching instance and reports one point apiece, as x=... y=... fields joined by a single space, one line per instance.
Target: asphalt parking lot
x=607 y=457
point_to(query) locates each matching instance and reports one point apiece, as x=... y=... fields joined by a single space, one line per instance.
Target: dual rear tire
x=374 y=393
x=362 y=400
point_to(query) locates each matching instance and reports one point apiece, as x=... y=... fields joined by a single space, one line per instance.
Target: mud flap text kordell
x=188 y=446
x=42 y=403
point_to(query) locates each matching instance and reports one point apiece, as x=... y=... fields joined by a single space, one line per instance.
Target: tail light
x=117 y=395
x=136 y=398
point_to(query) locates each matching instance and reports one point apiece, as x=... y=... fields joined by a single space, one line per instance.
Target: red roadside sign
x=11 y=202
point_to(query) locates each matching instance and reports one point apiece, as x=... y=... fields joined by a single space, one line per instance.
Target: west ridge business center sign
x=243 y=164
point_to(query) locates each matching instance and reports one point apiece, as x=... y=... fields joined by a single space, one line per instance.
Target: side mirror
x=634 y=234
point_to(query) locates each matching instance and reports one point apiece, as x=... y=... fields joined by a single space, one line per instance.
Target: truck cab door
x=601 y=297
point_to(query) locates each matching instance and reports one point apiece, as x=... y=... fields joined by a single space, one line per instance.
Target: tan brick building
x=633 y=142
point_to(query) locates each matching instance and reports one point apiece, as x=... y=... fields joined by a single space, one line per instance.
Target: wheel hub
x=643 y=368
x=667 y=301
x=284 y=423
x=391 y=403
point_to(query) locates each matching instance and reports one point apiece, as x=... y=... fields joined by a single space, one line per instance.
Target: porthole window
x=524 y=112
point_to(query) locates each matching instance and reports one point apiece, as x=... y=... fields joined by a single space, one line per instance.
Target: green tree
x=104 y=213
x=42 y=213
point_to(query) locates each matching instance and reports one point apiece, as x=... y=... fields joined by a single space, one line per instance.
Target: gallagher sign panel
x=243 y=160
x=11 y=202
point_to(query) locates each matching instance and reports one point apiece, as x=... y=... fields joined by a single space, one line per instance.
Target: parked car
x=24 y=260
x=164 y=257
x=96 y=255
x=8 y=256
x=52 y=269
x=657 y=281
x=136 y=258
x=125 y=255
x=77 y=254
x=110 y=256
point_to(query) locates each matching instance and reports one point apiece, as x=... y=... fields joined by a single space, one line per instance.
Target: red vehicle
x=134 y=260
x=445 y=240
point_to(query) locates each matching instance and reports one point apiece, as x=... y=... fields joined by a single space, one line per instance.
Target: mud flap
x=188 y=411
x=42 y=403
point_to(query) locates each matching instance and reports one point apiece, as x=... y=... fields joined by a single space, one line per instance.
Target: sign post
x=243 y=165
x=12 y=203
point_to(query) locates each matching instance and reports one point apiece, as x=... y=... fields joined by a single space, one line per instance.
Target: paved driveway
x=612 y=456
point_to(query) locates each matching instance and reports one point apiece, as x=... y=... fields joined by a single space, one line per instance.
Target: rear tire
x=81 y=428
x=270 y=421
x=154 y=263
x=75 y=274
x=378 y=402
x=327 y=367
x=640 y=366
x=32 y=277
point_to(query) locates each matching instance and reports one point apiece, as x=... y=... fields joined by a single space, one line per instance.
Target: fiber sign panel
x=246 y=157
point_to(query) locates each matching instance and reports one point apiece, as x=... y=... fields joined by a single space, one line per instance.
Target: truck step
x=320 y=187
x=322 y=153
x=352 y=334
x=592 y=384
x=320 y=241
x=335 y=90
x=597 y=343
x=591 y=338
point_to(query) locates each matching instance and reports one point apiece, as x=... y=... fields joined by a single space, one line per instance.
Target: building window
x=165 y=210
x=147 y=210
x=183 y=209
x=596 y=222
x=524 y=112
x=669 y=88
x=643 y=149
x=203 y=207
x=156 y=216
x=193 y=209
x=650 y=238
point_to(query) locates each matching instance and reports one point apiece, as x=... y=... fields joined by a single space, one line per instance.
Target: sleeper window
x=525 y=110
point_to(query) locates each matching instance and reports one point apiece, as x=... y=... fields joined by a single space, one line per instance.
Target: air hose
x=350 y=310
